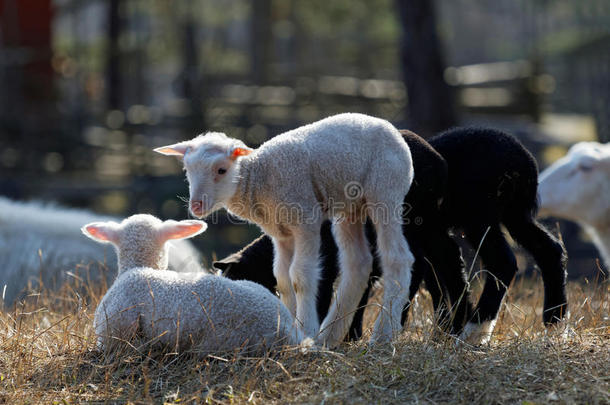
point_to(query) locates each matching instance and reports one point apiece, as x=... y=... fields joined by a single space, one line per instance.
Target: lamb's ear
x=222 y=265
x=181 y=230
x=239 y=151
x=105 y=232
x=177 y=149
x=226 y=263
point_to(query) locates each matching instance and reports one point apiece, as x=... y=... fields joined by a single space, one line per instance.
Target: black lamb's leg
x=550 y=255
x=501 y=266
x=329 y=259
x=439 y=298
x=417 y=275
x=448 y=270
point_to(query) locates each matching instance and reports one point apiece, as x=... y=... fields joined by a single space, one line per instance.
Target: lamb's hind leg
x=304 y=275
x=284 y=250
x=420 y=267
x=501 y=266
x=448 y=268
x=355 y=263
x=550 y=256
x=397 y=262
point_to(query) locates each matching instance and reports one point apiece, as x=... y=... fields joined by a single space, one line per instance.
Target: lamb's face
x=577 y=186
x=140 y=240
x=211 y=177
x=212 y=168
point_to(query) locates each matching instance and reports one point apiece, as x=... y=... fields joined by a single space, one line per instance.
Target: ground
x=47 y=355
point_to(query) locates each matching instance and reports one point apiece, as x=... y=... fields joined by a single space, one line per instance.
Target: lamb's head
x=577 y=186
x=249 y=264
x=141 y=240
x=211 y=162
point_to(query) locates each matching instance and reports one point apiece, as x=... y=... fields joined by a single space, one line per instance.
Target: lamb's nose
x=197 y=208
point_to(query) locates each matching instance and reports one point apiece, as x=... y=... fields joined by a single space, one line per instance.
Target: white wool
x=332 y=168
x=27 y=228
x=207 y=312
x=577 y=187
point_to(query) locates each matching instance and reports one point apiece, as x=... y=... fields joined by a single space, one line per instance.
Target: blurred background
x=89 y=87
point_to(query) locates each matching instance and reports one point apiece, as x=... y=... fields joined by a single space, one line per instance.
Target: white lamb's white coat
x=208 y=312
x=198 y=310
x=29 y=227
x=577 y=187
x=341 y=166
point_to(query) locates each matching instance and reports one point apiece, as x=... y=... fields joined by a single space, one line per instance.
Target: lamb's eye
x=585 y=167
x=222 y=171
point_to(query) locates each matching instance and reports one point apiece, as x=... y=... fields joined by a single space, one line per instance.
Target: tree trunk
x=192 y=81
x=431 y=105
x=261 y=40
x=113 y=78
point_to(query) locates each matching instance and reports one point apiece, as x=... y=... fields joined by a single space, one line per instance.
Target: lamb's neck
x=601 y=239
x=141 y=259
x=240 y=202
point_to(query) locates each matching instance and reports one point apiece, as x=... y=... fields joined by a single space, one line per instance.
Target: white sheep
x=344 y=167
x=577 y=187
x=27 y=228
x=181 y=310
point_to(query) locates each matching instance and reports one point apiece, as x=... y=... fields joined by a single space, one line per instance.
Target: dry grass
x=47 y=356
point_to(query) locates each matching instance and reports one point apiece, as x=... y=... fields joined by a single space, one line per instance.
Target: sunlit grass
x=47 y=355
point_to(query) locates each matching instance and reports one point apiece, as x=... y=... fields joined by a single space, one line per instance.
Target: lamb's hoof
x=379 y=340
x=386 y=329
x=324 y=339
x=308 y=345
x=384 y=337
x=555 y=314
x=309 y=331
x=477 y=334
x=560 y=329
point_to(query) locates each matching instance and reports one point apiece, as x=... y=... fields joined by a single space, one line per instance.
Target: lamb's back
x=216 y=313
x=355 y=148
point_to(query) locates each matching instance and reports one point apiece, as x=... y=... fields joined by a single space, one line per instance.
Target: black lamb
x=493 y=180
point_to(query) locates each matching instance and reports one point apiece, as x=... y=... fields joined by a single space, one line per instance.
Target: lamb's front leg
x=304 y=274
x=284 y=250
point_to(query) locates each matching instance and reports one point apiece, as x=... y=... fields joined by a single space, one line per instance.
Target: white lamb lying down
x=182 y=310
x=577 y=187
x=27 y=228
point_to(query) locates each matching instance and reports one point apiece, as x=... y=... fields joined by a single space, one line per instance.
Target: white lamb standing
x=42 y=239
x=577 y=187
x=344 y=167
x=181 y=310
